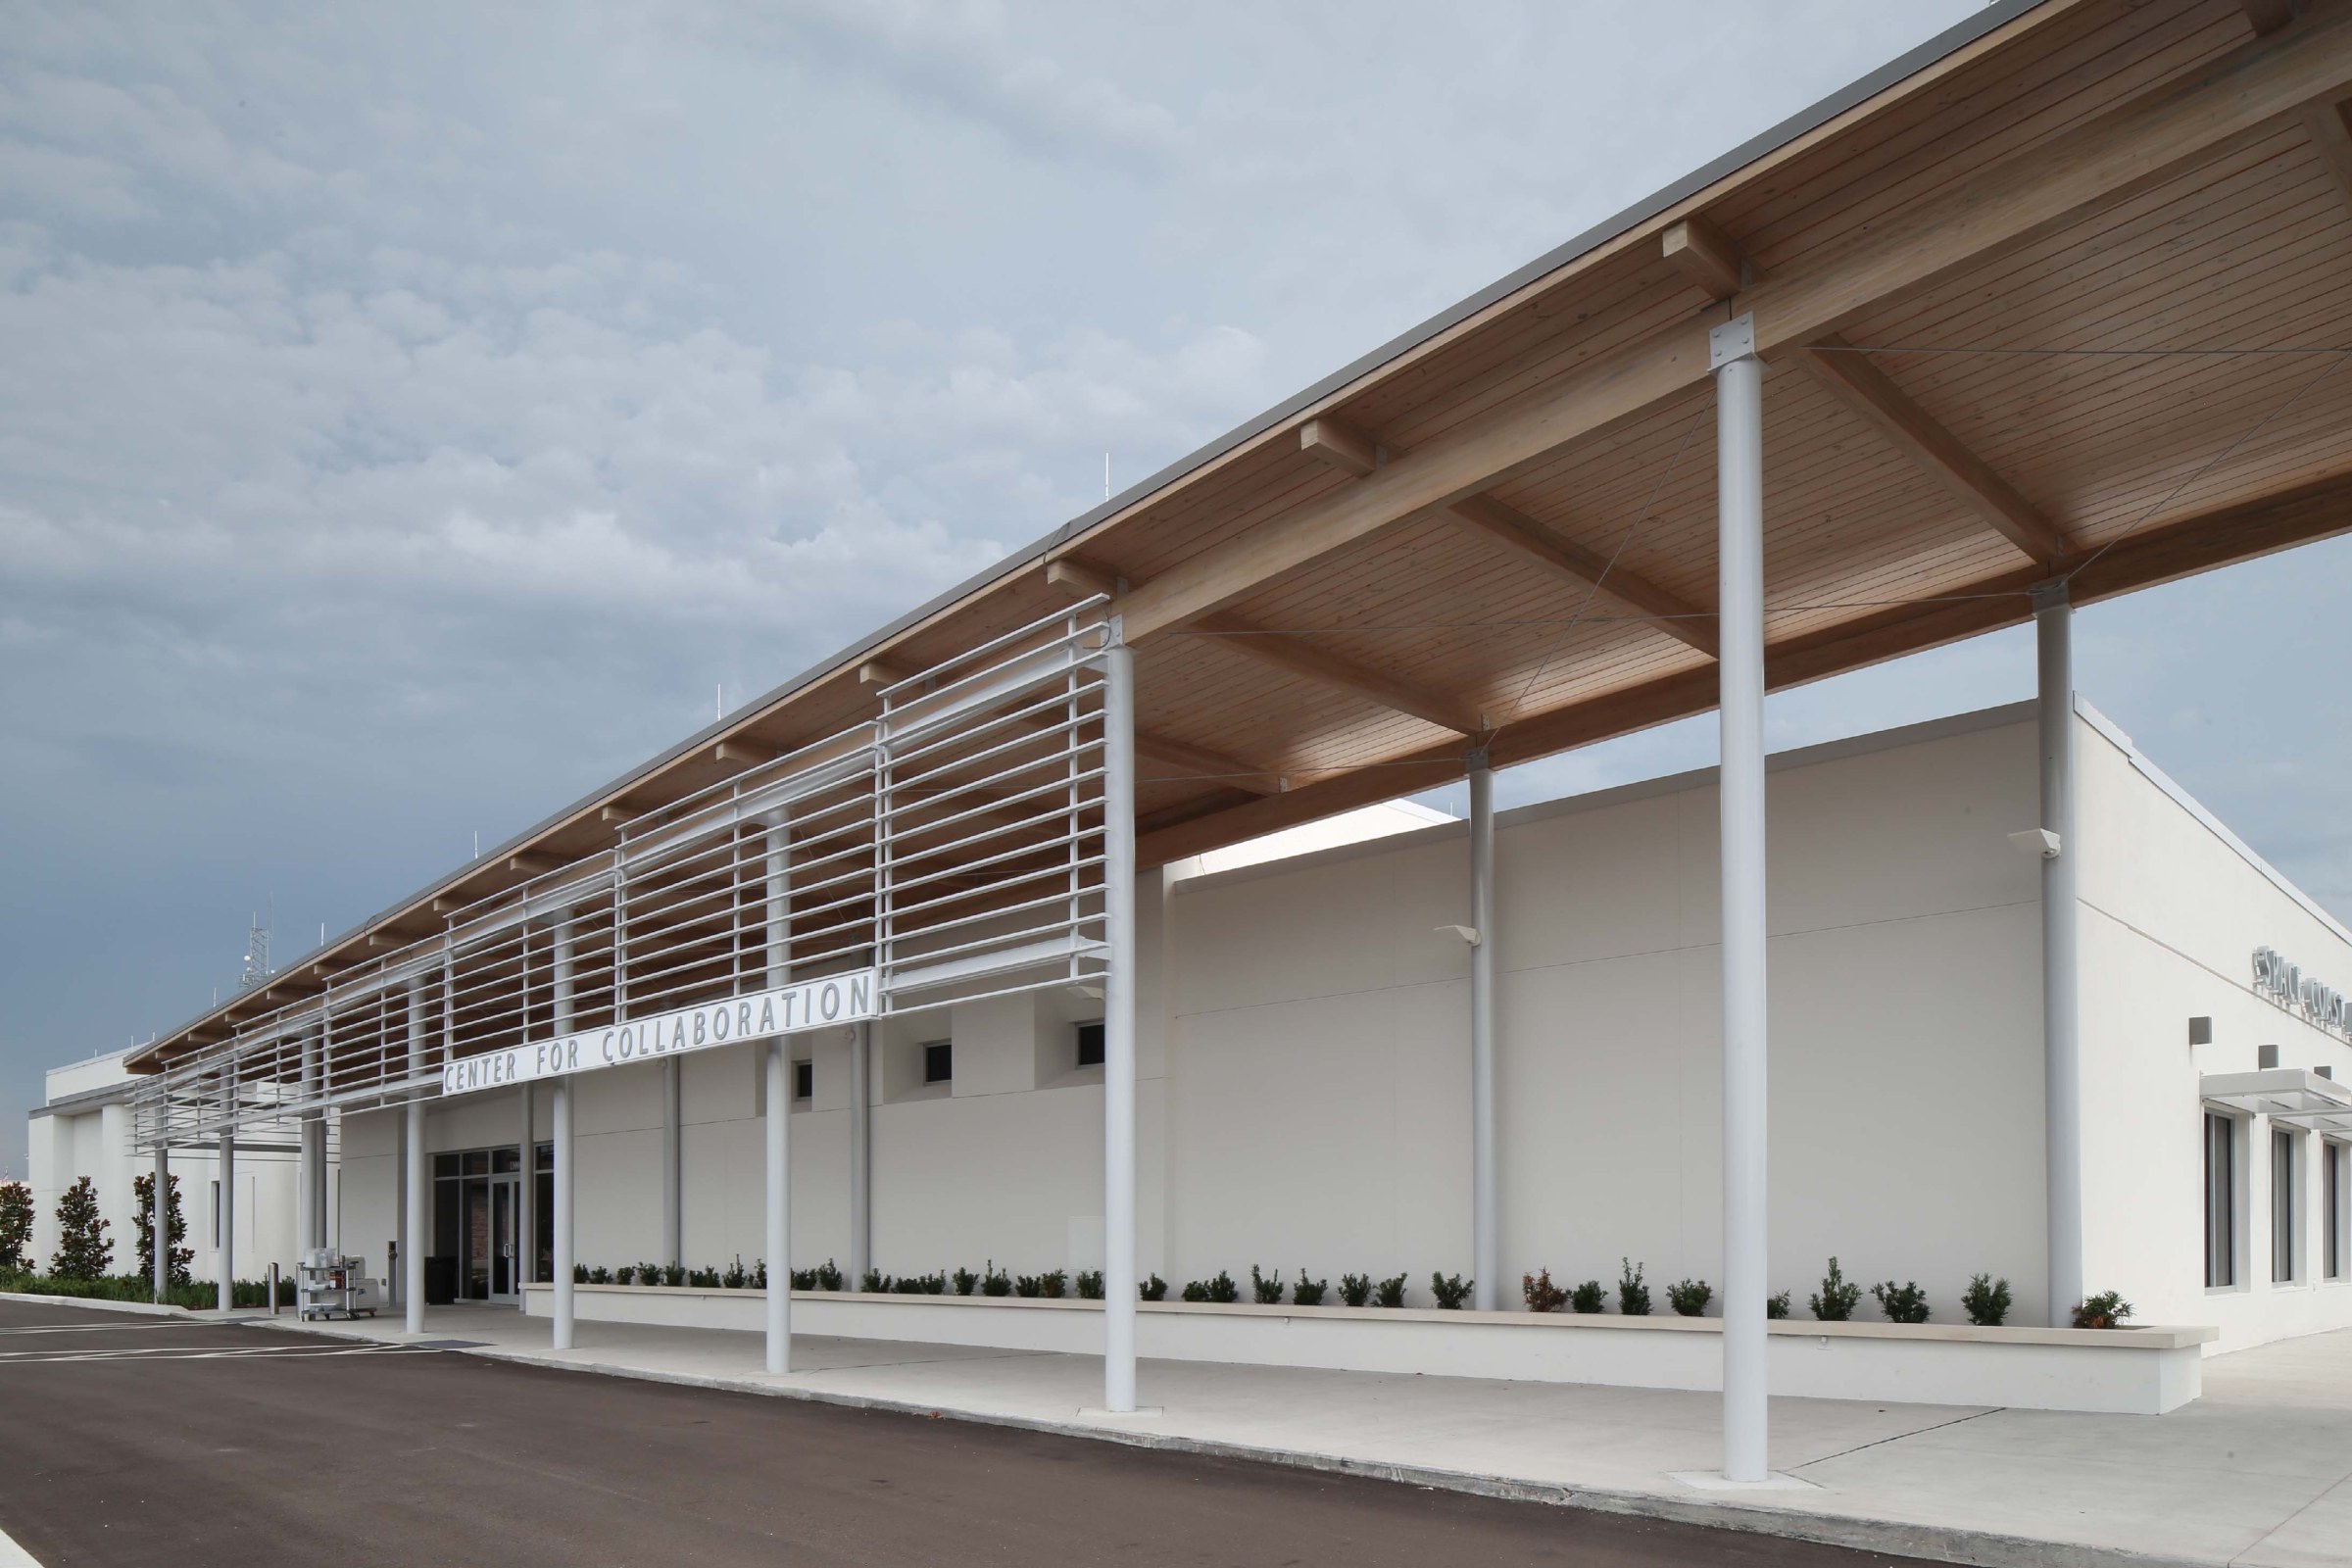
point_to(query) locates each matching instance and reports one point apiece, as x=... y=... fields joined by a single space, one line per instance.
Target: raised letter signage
x=2322 y=1006
x=787 y=1009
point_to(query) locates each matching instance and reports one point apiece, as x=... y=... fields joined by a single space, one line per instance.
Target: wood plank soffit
x=1866 y=391
x=1562 y=556
x=1293 y=656
x=2088 y=170
x=2319 y=510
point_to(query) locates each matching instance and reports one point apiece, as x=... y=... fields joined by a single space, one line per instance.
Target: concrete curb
x=1942 y=1544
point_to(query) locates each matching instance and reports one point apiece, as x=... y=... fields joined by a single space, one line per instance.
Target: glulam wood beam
x=1340 y=444
x=1563 y=556
x=1870 y=395
x=742 y=752
x=532 y=862
x=1705 y=256
x=2087 y=171
x=2266 y=17
x=1293 y=656
x=2320 y=509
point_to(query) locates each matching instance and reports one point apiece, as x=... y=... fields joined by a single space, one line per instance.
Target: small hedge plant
x=1153 y=1288
x=1633 y=1296
x=1265 y=1290
x=1541 y=1295
x=1835 y=1302
x=1388 y=1292
x=1355 y=1289
x=2105 y=1310
x=1308 y=1293
x=1777 y=1306
x=1986 y=1300
x=1090 y=1284
x=1222 y=1288
x=1689 y=1297
x=1590 y=1297
x=1450 y=1290
x=1902 y=1303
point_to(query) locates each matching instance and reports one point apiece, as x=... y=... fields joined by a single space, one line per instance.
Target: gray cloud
x=410 y=416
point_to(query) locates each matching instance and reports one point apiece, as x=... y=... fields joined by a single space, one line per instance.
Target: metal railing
x=954 y=845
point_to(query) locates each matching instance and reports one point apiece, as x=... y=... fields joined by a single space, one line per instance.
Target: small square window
x=939 y=1061
x=804 y=1080
x=1090 y=1044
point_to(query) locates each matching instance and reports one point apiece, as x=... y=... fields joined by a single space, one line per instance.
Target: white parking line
x=190 y=1352
x=13 y=1555
x=109 y=1328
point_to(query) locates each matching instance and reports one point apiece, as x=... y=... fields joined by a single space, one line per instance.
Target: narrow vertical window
x=2220 y=1201
x=939 y=1061
x=215 y=1216
x=804 y=1080
x=2286 y=1208
x=2331 y=1171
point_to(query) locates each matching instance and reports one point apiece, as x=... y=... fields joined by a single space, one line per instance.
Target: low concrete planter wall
x=2134 y=1371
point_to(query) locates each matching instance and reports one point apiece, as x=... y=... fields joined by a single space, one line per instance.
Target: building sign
x=2317 y=1004
x=787 y=1009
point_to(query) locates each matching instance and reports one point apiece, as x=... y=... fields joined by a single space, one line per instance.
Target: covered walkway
x=2257 y=1472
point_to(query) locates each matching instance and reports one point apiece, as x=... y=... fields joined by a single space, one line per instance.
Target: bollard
x=273 y=1289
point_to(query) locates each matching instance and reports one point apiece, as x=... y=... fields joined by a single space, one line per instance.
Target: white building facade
x=1304 y=1094
x=84 y=1129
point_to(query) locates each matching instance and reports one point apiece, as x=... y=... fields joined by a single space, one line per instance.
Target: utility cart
x=327 y=1282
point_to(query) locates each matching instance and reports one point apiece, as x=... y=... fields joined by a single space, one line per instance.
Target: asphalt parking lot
x=137 y=1441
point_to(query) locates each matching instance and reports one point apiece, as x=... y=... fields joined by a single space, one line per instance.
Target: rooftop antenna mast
x=257 y=955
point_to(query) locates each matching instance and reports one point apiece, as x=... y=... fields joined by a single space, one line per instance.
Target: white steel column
x=526 y=1197
x=779 y=1204
x=314 y=1140
x=776 y=896
x=1486 y=1226
x=674 y=1212
x=227 y=1217
x=417 y=1223
x=1118 y=1026
x=306 y=1203
x=2061 y=1019
x=1739 y=551
x=862 y=1151
x=559 y=1129
x=161 y=1221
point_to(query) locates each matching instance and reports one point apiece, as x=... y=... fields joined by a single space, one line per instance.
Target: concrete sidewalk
x=2258 y=1472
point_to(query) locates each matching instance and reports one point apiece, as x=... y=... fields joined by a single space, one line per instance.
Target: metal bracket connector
x=1733 y=341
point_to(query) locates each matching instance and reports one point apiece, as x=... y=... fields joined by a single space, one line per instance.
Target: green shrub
x=1219 y=1288
x=1153 y=1288
x=922 y=1284
x=1054 y=1286
x=874 y=1282
x=1355 y=1289
x=1541 y=1295
x=1986 y=1300
x=196 y=1298
x=16 y=1225
x=966 y=1280
x=1308 y=1293
x=1689 y=1297
x=736 y=1276
x=83 y=1251
x=1264 y=1291
x=1090 y=1284
x=1903 y=1304
x=702 y=1278
x=674 y=1274
x=600 y=1274
x=1590 y=1297
x=626 y=1274
x=828 y=1277
x=804 y=1279
x=1835 y=1302
x=1633 y=1296
x=1777 y=1306
x=1027 y=1285
x=995 y=1281
x=649 y=1274
x=1450 y=1290
x=1388 y=1292
x=176 y=1257
x=759 y=1278
x=2105 y=1310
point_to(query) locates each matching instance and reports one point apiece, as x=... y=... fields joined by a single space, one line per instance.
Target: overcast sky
x=411 y=417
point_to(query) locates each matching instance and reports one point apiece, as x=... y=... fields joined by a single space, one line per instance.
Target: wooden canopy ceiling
x=1991 y=296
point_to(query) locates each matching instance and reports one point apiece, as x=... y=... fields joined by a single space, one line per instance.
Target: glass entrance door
x=490 y=1210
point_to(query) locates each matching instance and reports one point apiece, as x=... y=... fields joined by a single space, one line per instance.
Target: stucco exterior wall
x=2172 y=911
